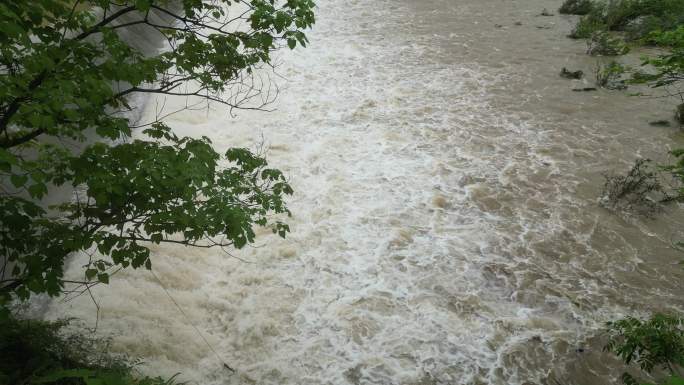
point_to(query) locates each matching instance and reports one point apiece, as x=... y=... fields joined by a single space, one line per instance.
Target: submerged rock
x=660 y=123
x=585 y=89
x=566 y=73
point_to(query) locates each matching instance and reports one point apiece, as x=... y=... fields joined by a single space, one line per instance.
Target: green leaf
x=18 y=180
x=156 y=238
x=103 y=277
x=37 y=190
x=90 y=273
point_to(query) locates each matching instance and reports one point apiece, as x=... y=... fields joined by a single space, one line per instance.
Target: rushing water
x=446 y=228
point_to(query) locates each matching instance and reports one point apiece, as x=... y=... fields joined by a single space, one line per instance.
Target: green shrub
x=668 y=14
x=666 y=69
x=602 y=43
x=618 y=13
x=587 y=26
x=673 y=38
x=641 y=27
x=576 y=7
x=609 y=76
x=638 y=18
x=677 y=171
x=639 y=190
x=42 y=352
x=665 y=14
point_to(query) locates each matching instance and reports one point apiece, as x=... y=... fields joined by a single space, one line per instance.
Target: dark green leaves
x=61 y=83
x=18 y=180
x=47 y=352
x=144 y=192
x=103 y=277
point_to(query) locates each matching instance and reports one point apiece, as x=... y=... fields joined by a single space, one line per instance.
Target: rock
x=660 y=123
x=498 y=25
x=518 y=23
x=288 y=252
x=545 y=12
x=566 y=73
x=440 y=201
x=354 y=374
x=679 y=114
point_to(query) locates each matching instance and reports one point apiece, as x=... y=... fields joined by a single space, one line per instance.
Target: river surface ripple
x=446 y=224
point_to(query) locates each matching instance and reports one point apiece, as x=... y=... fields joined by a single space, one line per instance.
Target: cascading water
x=446 y=228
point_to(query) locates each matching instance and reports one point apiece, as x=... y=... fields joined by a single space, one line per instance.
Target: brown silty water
x=446 y=223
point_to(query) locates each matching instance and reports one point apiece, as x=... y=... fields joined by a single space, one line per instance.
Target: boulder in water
x=679 y=114
x=660 y=123
x=566 y=73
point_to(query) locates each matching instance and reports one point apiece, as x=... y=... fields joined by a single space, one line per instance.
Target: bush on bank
x=610 y=26
x=654 y=345
x=44 y=352
x=634 y=19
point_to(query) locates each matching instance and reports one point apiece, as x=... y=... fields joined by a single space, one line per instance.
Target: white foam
x=434 y=237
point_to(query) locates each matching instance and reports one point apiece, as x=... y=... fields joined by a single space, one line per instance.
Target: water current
x=446 y=226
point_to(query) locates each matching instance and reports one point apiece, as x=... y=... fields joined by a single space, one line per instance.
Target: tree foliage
x=65 y=77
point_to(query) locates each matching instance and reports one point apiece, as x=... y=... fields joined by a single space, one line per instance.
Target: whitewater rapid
x=445 y=223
